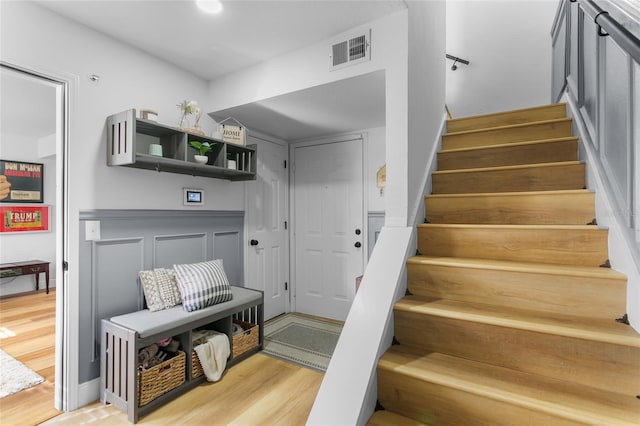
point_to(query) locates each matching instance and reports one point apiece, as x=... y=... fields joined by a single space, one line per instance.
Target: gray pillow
x=202 y=284
x=160 y=288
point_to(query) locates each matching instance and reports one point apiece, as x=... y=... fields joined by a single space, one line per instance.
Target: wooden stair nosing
x=538 y=393
x=610 y=332
x=522 y=115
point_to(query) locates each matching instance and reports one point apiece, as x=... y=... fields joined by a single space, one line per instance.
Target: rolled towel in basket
x=212 y=353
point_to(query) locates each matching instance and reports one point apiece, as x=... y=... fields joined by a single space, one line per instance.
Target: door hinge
x=285 y=225
x=285 y=164
x=286 y=286
x=65 y=265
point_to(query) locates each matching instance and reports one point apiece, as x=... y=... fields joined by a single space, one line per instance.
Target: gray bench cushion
x=148 y=323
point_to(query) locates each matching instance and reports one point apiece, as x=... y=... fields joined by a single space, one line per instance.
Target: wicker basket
x=196 y=367
x=248 y=339
x=161 y=378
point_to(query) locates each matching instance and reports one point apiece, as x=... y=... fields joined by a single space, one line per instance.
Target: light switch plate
x=92 y=230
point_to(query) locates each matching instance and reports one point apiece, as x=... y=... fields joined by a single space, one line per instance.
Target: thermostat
x=193 y=197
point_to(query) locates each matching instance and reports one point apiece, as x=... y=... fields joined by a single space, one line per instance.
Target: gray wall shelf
x=129 y=139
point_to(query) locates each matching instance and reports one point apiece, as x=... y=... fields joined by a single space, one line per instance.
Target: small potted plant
x=202 y=148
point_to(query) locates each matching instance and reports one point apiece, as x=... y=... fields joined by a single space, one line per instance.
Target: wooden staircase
x=509 y=318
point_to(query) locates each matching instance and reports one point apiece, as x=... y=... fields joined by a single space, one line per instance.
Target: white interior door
x=267 y=236
x=329 y=237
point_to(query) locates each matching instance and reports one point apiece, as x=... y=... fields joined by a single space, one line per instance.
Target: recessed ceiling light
x=210 y=6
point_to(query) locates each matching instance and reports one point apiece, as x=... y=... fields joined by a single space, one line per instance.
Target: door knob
x=254 y=242
x=358 y=244
x=358 y=231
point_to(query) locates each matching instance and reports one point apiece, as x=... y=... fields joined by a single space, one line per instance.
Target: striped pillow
x=202 y=284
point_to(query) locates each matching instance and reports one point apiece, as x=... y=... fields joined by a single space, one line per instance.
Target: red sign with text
x=20 y=219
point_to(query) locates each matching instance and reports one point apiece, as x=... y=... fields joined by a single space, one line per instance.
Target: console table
x=27 y=267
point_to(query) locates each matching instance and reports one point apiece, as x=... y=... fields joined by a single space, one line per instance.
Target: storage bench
x=123 y=336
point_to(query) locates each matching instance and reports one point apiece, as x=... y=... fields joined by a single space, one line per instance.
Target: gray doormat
x=301 y=340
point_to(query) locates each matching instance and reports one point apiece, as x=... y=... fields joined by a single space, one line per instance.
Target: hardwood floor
x=27 y=326
x=259 y=390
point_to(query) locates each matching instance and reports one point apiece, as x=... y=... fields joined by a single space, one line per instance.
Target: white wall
x=426 y=96
x=309 y=67
x=15 y=247
x=37 y=39
x=508 y=44
x=374 y=159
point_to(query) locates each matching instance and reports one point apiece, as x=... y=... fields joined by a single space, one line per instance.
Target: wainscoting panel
x=375 y=223
x=589 y=96
x=175 y=249
x=615 y=148
x=228 y=246
x=113 y=293
x=135 y=240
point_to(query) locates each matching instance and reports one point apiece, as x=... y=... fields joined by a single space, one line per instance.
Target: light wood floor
x=27 y=326
x=259 y=390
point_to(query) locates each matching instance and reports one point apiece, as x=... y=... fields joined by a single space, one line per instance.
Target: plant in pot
x=202 y=148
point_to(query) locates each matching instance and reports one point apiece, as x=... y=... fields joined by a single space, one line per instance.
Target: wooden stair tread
x=520 y=115
x=563 y=399
x=606 y=331
x=507 y=145
x=561 y=192
x=511 y=227
x=559 y=207
x=386 y=418
x=518 y=167
x=505 y=265
x=509 y=126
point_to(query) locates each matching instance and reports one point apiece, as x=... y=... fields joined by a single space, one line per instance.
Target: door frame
x=65 y=376
x=362 y=137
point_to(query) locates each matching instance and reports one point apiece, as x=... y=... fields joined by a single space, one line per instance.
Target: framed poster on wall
x=26 y=181
x=24 y=218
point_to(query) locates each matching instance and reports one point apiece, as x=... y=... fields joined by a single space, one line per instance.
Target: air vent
x=351 y=51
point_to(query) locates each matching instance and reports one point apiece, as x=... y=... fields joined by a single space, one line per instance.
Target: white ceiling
x=244 y=34
x=352 y=104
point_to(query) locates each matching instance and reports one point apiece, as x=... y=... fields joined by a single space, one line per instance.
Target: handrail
x=611 y=27
x=455 y=60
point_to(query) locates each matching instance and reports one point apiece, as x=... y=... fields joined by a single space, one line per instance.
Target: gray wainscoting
x=599 y=73
x=135 y=240
x=375 y=224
